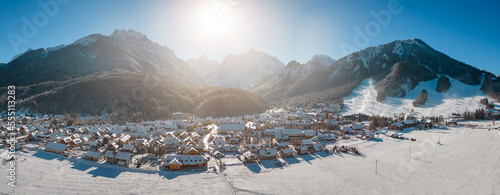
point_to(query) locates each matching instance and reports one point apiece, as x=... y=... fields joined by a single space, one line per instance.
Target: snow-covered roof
x=184 y=159
x=346 y=128
x=269 y=152
x=318 y=147
x=128 y=147
x=109 y=154
x=307 y=142
x=123 y=155
x=399 y=124
x=309 y=133
x=287 y=151
x=175 y=162
x=56 y=146
x=409 y=122
x=232 y=127
x=91 y=154
x=249 y=154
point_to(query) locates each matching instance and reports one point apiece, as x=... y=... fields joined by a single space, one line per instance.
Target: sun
x=215 y=24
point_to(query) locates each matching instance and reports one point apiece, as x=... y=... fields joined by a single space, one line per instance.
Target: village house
x=192 y=151
x=282 y=145
x=307 y=142
x=66 y=140
x=253 y=148
x=128 y=148
x=183 y=161
x=288 y=134
x=92 y=155
x=309 y=134
x=269 y=153
x=76 y=142
x=225 y=128
x=269 y=133
x=227 y=148
x=123 y=158
x=397 y=126
x=113 y=146
x=249 y=157
x=109 y=156
x=56 y=147
x=318 y=147
x=287 y=153
x=303 y=150
x=347 y=129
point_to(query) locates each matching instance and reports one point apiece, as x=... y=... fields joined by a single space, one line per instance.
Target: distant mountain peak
x=203 y=57
x=324 y=60
x=292 y=64
x=131 y=38
x=130 y=33
x=87 y=40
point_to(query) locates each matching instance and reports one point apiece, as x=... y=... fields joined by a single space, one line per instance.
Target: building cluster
x=186 y=140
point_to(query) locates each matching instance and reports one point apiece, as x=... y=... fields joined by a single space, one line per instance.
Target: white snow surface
x=466 y=162
x=458 y=99
x=398 y=49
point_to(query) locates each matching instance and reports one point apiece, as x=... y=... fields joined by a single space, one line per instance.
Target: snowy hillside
x=458 y=99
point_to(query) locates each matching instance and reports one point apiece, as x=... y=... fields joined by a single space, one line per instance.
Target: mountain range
x=124 y=73
x=127 y=74
x=236 y=71
x=397 y=67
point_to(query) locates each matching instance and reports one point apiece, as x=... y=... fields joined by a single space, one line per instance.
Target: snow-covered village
x=249 y=97
x=230 y=154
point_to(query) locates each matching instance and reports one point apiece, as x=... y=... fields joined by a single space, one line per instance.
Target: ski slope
x=458 y=99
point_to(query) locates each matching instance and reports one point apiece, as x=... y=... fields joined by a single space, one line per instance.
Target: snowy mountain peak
x=85 y=41
x=324 y=60
x=132 y=39
x=318 y=62
x=121 y=35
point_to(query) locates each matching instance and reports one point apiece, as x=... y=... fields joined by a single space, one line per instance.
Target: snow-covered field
x=466 y=162
x=458 y=99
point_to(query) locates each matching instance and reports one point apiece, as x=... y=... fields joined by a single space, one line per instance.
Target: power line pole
x=376 y=166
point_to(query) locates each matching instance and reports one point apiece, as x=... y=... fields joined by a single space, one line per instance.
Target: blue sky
x=289 y=30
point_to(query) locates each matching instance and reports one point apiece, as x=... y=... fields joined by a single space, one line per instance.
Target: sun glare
x=215 y=24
